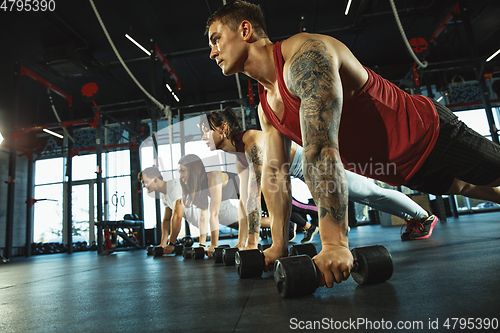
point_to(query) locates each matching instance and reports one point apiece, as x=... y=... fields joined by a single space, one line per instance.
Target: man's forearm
x=175 y=227
x=278 y=201
x=325 y=177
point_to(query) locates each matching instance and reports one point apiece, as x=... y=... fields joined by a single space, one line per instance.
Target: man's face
x=149 y=183
x=224 y=48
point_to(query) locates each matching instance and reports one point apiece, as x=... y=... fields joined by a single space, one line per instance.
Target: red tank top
x=240 y=148
x=384 y=132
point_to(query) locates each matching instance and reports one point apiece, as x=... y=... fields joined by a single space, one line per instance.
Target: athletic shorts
x=459 y=153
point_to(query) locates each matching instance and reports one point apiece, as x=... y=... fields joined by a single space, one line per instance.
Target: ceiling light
x=53 y=133
x=493 y=55
x=176 y=98
x=168 y=87
x=439 y=99
x=348 y=6
x=138 y=45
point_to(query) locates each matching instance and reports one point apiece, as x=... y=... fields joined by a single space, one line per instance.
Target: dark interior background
x=68 y=48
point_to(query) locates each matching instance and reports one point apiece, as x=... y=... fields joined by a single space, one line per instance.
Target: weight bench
x=112 y=229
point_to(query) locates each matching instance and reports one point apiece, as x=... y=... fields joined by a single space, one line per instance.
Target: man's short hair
x=150 y=173
x=234 y=13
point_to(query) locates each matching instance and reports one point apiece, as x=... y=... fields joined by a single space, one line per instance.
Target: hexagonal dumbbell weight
x=298 y=249
x=187 y=241
x=198 y=252
x=187 y=253
x=217 y=253
x=263 y=247
x=297 y=276
x=178 y=249
x=251 y=263
x=228 y=255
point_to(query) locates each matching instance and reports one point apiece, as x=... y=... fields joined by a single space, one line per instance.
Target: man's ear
x=246 y=29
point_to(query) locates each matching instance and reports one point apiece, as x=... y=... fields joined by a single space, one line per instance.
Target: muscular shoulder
x=253 y=137
x=303 y=42
x=328 y=55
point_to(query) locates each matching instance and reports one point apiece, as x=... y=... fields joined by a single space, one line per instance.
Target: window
x=49 y=188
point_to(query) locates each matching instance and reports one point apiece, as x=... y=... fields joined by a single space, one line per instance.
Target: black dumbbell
x=297 y=276
x=251 y=264
x=299 y=249
x=228 y=255
x=217 y=253
x=178 y=249
x=187 y=241
x=187 y=252
x=263 y=247
x=150 y=250
x=198 y=252
x=158 y=251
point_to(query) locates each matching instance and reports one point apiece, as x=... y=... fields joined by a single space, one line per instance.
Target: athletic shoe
x=309 y=234
x=419 y=229
x=291 y=232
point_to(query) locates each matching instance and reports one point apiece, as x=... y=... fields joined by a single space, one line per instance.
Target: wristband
x=202 y=245
x=171 y=244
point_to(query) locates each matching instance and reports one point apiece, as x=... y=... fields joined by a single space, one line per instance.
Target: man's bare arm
x=255 y=158
x=313 y=76
x=276 y=188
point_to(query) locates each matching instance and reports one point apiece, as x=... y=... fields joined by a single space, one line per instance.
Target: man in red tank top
x=315 y=92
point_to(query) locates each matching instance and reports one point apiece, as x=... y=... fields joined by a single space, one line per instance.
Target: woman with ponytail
x=222 y=131
x=198 y=186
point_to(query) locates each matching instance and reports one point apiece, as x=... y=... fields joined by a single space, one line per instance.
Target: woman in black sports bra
x=198 y=186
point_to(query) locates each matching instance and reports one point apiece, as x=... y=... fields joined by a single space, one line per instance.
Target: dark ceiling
x=68 y=48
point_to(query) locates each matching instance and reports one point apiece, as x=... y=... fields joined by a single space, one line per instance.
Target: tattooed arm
x=276 y=188
x=313 y=75
x=254 y=155
x=242 y=214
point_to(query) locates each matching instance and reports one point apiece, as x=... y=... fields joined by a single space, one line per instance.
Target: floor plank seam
x=243 y=309
x=46 y=279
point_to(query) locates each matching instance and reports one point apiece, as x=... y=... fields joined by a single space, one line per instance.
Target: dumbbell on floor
x=250 y=263
x=228 y=255
x=187 y=253
x=198 y=252
x=154 y=250
x=217 y=253
x=157 y=251
x=187 y=241
x=298 y=276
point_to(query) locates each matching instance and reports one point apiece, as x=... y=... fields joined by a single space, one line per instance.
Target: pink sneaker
x=419 y=229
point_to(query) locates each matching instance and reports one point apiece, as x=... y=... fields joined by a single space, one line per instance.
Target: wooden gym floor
x=454 y=274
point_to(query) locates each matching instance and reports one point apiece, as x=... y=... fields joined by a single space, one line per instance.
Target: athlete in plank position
x=315 y=92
